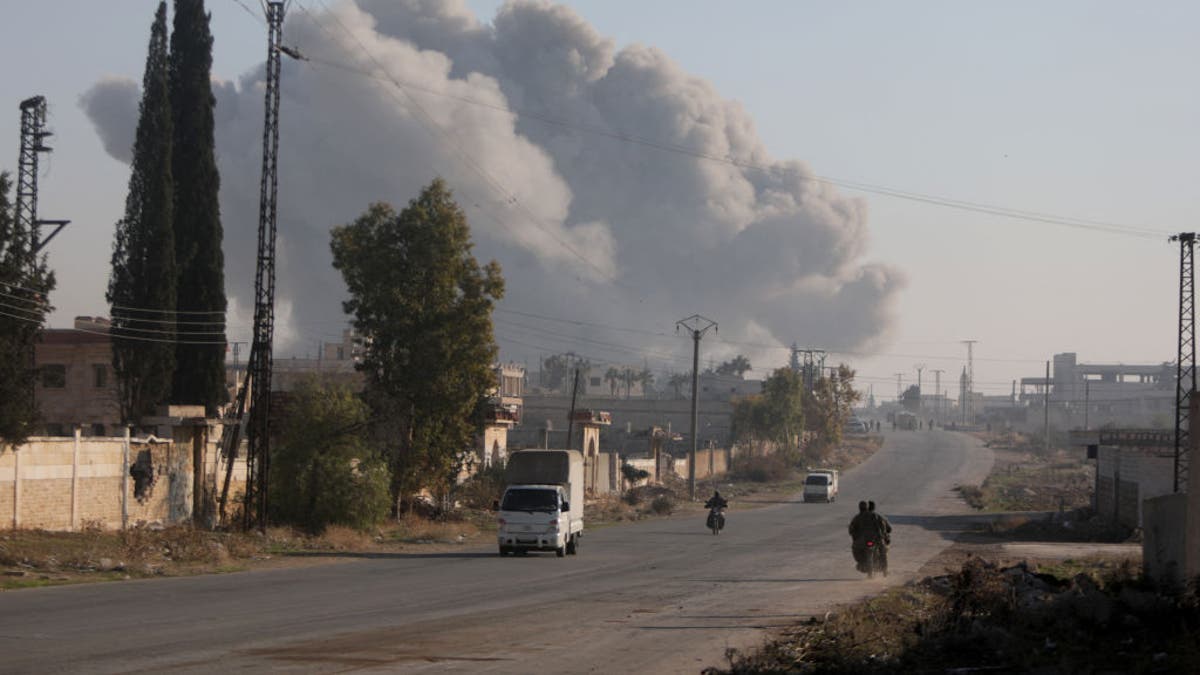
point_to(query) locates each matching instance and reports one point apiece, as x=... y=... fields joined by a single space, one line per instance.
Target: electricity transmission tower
x=1185 y=364
x=258 y=370
x=810 y=368
x=696 y=325
x=33 y=136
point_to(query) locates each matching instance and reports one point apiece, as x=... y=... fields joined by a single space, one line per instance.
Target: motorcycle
x=716 y=519
x=875 y=559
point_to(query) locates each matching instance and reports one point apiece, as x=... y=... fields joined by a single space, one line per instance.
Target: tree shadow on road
x=752 y=580
x=954 y=527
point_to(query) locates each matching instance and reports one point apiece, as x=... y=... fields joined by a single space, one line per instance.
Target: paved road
x=658 y=596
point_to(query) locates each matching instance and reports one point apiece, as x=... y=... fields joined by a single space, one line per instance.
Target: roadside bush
x=761 y=469
x=662 y=505
x=482 y=489
x=633 y=474
x=322 y=472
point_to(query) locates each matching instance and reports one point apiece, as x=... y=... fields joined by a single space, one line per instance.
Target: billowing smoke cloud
x=111 y=104
x=586 y=226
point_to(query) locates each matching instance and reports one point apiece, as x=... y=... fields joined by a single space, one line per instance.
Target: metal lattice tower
x=258 y=434
x=1185 y=364
x=33 y=137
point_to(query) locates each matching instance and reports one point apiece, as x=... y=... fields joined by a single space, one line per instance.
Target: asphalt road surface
x=660 y=596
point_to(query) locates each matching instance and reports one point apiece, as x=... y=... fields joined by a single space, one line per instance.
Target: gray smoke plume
x=525 y=119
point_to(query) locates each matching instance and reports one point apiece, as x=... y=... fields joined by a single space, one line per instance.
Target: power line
x=123 y=337
x=1108 y=227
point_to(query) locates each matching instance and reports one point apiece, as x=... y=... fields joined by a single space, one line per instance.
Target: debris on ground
x=1077 y=616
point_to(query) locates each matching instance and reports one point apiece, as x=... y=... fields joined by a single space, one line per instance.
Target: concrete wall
x=711 y=461
x=69 y=483
x=1125 y=478
x=1164 y=542
x=603 y=473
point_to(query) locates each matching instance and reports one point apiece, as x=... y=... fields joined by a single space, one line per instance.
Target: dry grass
x=1023 y=479
x=413 y=529
x=135 y=552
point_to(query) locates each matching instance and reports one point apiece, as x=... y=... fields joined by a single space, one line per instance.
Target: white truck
x=821 y=485
x=542 y=507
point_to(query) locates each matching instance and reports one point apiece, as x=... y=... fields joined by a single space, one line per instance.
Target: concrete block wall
x=712 y=461
x=71 y=483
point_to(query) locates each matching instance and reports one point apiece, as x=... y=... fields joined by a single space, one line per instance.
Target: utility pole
x=258 y=371
x=919 y=367
x=1087 y=402
x=1185 y=363
x=969 y=408
x=1046 y=412
x=696 y=325
x=937 y=389
x=571 y=415
x=899 y=386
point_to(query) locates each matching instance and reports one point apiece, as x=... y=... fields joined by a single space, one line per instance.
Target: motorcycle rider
x=862 y=527
x=716 y=506
x=883 y=533
x=716 y=501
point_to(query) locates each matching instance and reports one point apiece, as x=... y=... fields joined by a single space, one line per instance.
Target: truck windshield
x=522 y=499
x=817 y=479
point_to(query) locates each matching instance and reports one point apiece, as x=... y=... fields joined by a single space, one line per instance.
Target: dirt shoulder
x=1035 y=583
x=986 y=604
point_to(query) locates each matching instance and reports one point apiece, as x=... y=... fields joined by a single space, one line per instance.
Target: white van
x=821 y=485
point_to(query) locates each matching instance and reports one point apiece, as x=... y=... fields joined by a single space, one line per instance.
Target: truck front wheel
x=504 y=550
x=560 y=551
x=573 y=545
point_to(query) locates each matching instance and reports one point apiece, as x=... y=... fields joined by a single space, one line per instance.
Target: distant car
x=855 y=427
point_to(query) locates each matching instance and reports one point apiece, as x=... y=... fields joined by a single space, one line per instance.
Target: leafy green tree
x=141 y=288
x=25 y=283
x=829 y=407
x=322 y=470
x=776 y=415
x=200 y=368
x=424 y=305
x=735 y=366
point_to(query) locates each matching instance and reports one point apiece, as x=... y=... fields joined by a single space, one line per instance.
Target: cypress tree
x=141 y=288
x=200 y=295
x=25 y=282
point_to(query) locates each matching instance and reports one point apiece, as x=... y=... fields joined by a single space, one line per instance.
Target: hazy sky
x=1079 y=109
